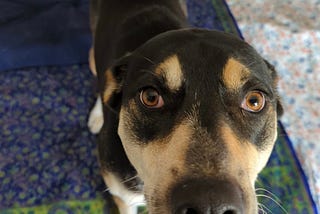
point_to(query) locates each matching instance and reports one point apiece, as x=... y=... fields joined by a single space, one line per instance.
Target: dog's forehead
x=195 y=42
x=177 y=55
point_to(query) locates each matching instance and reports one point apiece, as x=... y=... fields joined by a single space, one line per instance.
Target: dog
x=187 y=117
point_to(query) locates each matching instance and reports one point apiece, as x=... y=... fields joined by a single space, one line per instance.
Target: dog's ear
x=275 y=78
x=113 y=80
x=111 y=152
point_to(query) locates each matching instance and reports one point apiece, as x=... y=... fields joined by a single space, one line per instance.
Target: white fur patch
x=183 y=5
x=95 y=121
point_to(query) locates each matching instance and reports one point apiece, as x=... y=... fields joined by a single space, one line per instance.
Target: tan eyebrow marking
x=170 y=69
x=234 y=74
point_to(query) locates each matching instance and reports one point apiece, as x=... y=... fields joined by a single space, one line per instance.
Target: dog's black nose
x=207 y=197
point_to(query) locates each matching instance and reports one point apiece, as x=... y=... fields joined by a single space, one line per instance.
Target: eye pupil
x=150 y=97
x=254 y=101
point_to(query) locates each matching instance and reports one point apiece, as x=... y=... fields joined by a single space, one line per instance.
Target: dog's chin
x=200 y=196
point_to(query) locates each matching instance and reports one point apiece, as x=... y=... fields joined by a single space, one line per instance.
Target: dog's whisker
x=272 y=197
x=264 y=208
x=129 y=179
x=134 y=187
x=144 y=57
x=275 y=201
x=149 y=72
x=251 y=64
x=269 y=192
x=261 y=210
x=128 y=188
x=148 y=59
x=106 y=190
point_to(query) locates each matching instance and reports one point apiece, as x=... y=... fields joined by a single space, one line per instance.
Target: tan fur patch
x=245 y=155
x=165 y=157
x=242 y=164
x=92 y=63
x=111 y=86
x=265 y=153
x=234 y=74
x=170 y=69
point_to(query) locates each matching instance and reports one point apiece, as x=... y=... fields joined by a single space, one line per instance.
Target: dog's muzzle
x=201 y=196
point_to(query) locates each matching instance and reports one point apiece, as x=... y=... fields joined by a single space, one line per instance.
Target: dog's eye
x=151 y=98
x=254 y=101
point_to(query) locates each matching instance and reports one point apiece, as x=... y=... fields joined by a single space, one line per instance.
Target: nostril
x=230 y=212
x=190 y=211
x=187 y=210
x=195 y=211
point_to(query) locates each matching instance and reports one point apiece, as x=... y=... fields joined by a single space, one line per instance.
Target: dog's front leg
x=95 y=121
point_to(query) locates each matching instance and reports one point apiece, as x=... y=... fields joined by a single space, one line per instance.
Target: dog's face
x=198 y=120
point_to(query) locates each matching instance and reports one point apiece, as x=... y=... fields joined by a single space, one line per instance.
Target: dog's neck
x=146 y=24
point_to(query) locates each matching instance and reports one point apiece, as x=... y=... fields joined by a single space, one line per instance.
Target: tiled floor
x=287 y=33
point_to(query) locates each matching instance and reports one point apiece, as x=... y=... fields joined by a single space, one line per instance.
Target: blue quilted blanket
x=43 y=32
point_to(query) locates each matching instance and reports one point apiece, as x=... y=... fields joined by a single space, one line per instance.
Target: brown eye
x=254 y=101
x=151 y=98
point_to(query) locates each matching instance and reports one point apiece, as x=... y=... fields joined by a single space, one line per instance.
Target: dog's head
x=197 y=118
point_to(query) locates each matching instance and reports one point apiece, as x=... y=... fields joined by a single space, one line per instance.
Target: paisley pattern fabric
x=48 y=160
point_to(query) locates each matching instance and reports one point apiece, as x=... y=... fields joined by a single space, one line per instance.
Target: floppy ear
x=275 y=78
x=112 y=81
x=111 y=152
